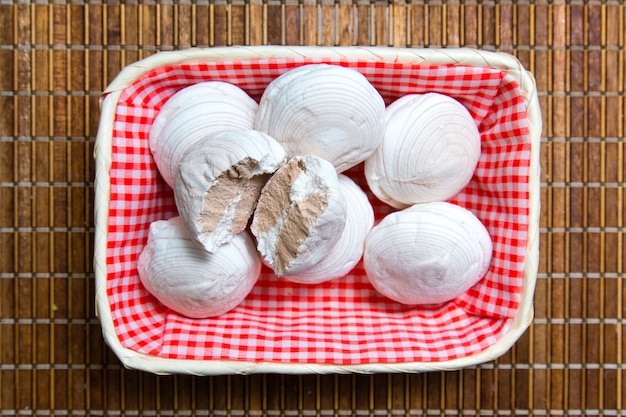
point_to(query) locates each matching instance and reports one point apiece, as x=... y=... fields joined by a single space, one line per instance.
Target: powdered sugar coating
x=427 y=254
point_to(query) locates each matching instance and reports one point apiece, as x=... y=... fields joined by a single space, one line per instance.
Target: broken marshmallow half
x=219 y=180
x=300 y=215
x=348 y=251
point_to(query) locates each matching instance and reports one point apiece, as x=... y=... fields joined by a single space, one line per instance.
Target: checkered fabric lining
x=344 y=321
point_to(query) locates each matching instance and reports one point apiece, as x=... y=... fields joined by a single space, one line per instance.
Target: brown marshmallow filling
x=275 y=202
x=237 y=182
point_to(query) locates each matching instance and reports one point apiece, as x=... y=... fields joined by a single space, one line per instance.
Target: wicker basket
x=344 y=325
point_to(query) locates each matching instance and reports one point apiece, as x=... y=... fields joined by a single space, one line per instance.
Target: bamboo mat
x=56 y=58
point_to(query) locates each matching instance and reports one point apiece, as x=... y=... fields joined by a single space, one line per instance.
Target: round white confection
x=348 y=251
x=429 y=152
x=189 y=280
x=325 y=110
x=191 y=114
x=427 y=254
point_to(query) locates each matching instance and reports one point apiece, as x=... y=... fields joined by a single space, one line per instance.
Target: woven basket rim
x=453 y=56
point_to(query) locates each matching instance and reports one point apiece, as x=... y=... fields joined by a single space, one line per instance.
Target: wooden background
x=55 y=59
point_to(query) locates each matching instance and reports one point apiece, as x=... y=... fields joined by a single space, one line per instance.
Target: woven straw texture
x=56 y=59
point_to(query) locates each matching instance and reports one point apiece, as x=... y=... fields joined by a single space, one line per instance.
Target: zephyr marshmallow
x=300 y=215
x=191 y=281
x=429 y=151
x=219 y=181
x=325 y=110
x=191 y=114
x=427 y=254
x=348 y=251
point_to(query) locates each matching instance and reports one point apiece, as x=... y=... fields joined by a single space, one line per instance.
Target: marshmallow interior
x=429 y=152
x=191 y=281
x=219 y=181
x=300 y=215
x=427 y=254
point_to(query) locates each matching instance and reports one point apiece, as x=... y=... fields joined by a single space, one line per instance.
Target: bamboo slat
x=57 y=57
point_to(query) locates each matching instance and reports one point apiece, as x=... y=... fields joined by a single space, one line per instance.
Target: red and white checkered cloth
x=345 y=321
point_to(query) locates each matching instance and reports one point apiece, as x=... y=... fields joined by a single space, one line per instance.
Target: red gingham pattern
x=341 y=322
